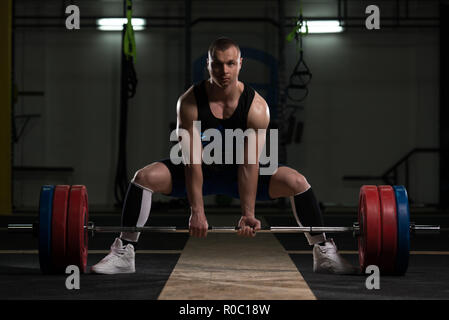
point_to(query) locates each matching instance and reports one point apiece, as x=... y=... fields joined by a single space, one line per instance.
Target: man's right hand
x=198 y=225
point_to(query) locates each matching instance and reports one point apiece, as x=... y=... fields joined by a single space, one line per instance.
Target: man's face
x=224 y=66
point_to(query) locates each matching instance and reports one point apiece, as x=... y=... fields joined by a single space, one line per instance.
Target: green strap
x=297 y=34
x=129 y=43
x=297 y=29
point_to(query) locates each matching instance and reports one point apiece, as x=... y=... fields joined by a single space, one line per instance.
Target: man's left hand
x=248 y=226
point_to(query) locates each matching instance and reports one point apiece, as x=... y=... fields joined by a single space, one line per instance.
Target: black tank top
x=238 y=119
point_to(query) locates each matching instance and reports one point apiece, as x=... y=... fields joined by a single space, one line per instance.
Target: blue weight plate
x=45 y=213
x=403 y=214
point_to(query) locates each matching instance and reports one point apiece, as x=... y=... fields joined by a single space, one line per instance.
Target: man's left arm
x=248 y=172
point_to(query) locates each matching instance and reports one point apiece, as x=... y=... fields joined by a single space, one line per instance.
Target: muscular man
x=221 y=102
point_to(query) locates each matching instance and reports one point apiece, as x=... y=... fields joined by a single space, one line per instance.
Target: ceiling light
x=322 y=26
x=116 y=24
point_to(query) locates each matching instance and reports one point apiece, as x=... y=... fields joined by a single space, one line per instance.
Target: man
x=221 y=102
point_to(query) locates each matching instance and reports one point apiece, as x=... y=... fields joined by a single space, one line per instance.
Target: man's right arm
x=187 y=112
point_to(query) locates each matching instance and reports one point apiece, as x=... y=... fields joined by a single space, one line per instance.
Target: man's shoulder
x=188 y=97
x=186 y=107
x=259 y=104
x=189 y=94
x=259 y=113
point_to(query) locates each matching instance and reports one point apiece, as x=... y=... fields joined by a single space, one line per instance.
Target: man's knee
x=148 y=176
x=140 y=177
x=155 y=177
x=298 y=183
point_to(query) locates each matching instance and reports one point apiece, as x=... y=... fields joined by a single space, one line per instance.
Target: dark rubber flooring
x=20 y=277
x=427 y=276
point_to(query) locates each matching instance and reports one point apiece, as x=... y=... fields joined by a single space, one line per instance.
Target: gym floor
x=159 y=255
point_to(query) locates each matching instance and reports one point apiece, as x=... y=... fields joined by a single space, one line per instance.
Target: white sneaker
x=119 y=260
x=326 y=259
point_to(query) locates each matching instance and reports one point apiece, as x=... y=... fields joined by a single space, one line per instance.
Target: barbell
x=383 y=228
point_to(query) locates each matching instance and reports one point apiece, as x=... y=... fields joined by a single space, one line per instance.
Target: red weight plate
x=59 y=227
x=389 y=229
x=77 y=234
x=370 y=227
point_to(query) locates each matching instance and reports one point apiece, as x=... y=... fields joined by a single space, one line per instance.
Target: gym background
x=374 y=113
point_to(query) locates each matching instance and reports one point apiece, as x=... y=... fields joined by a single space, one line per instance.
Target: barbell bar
x=92 y=228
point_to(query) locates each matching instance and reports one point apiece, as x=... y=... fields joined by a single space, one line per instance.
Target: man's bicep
x=188 y=132
x=183 y=114
x=258 y=121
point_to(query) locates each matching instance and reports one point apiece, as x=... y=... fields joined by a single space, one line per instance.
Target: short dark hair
x=222 y=44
